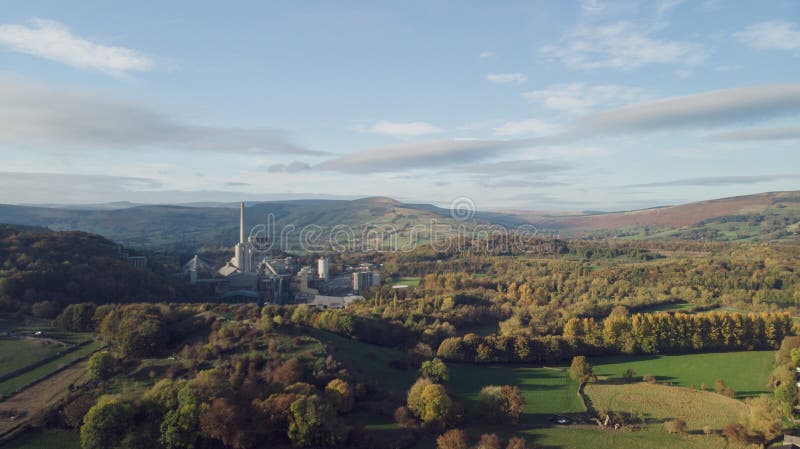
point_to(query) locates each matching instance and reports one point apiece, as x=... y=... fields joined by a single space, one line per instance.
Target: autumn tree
x=340 y=393
x=435 y=370
x=764 y=418
x=313 y=422
x=453 y=439
x=105 y=422
x=581 y=370
x=501 y=403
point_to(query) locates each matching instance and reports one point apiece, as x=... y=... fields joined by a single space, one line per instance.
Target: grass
x=547 y=391
x=410 y=281
x=582 y=437
x=51 y=439
x=369 y=363
x=746 y=372
x=19 y=353
x=660 y=403
x=676 y=306
x=15 y=383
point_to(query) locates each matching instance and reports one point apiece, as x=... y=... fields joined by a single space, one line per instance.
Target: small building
x=323 y=302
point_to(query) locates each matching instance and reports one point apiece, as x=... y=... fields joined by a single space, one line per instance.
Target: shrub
x=453 y=439
x=677 y=425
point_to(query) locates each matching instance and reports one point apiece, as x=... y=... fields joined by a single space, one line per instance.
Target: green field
x=547 y=391
x=52 y=439
x=410 y=281
x=746 y=372
x=15 y=383
x=582 y=437
x=19 y=353
x=369 y=363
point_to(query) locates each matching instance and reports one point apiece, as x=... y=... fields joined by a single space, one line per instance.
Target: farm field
x=547 y=391
x=16 y=353
x=15 y=383
x=746 y=372
x=659 y=403
x=581 y=437
x=410 y=281
x=46 y=440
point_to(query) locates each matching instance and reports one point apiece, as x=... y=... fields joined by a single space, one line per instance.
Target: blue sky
x=524 y=105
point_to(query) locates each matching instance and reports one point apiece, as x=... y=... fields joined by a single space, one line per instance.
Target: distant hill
x=766 y=216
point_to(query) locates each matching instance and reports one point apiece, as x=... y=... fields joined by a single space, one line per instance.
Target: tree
x=786 y=394
x=439 y=408
x=75 y=410
x=489 y=441
x=764 y=418
x=677 y=425
x=101 y=365
x=225 y=422
x=501 y=403
x=453 y=439
x=517 y=443
x=339 y=393
x=581 y=370
x=105 y=423
x=313 y=422
x=76 y=318
x=435 y=370
x=179 y=430
x=291 y=371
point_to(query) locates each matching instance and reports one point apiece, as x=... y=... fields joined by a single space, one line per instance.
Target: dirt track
x=38 y=396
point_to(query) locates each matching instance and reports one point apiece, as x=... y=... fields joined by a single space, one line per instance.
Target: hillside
x=68 y=267
x=766 y=216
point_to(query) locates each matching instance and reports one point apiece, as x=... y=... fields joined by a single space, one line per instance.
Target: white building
x=322 y=268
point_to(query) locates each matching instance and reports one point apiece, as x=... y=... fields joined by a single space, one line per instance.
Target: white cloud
x=715 y=108
x=34 y=116
x=400 y=129
x=697 y=110
x=772 y=35
x=485 y=54
x=621 y=45
x=788 y=133
x=291 y=167
x=579 y=98
x=529 y=127
x=506 y=78
x=52 y=40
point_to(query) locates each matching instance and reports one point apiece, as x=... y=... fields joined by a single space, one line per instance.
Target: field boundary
x=44 y=361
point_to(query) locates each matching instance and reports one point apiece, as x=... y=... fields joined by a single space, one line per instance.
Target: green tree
x=101 y=365
x=340 y=393
x=435 y=370
x=180 y=428
x=764 y=418
x=105 y=423
x=581 y=370
x=313 y=422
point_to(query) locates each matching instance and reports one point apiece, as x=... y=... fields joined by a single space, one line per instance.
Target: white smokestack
x=241 y=223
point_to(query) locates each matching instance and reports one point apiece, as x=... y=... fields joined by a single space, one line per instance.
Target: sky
x=535 y=105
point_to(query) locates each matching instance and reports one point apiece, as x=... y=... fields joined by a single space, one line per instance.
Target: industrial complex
x=254 y=275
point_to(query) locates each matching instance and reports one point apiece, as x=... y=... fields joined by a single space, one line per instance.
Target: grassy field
x=18 y=353
x=369 y=363
x=26 y=378
x=410 y=281
x=54 y=439
x=582 y=437
x=547 y=391
x=746 y=372
x=660 y=403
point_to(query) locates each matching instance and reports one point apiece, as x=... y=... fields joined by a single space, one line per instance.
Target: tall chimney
x=241 y=223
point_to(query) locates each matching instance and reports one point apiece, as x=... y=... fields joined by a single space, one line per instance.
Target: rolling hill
x=766 y=216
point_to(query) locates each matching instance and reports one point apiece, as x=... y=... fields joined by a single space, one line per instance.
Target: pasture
x=53 y=439
x=17 y=353
x=660 y=403
x=747 y=372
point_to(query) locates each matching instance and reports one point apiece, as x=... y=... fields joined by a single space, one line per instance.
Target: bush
x=453 y=439
x=650 y=379
x=736 y=433
x=676 y=426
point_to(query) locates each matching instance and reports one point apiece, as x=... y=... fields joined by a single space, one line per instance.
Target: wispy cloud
x=715 y=108
x=400 y=129
x=485 y=54
x=719 y=181
x=506 y=78
x=529 y=127
x=697 y=110
x=621 y=45
x=516 y=167
x=577 y=98
x=787 y=133
x=291 y=167
x=38 y=117
x=772 y=35
x=52 y=40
